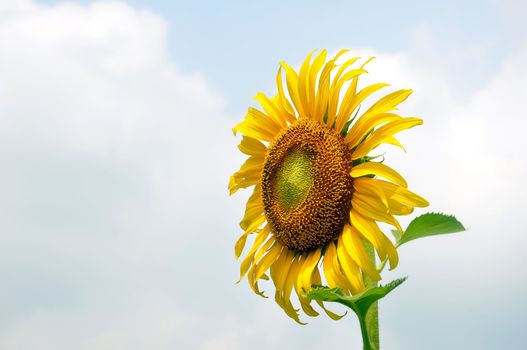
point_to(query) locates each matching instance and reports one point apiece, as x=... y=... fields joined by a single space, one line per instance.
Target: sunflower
x=318 y=195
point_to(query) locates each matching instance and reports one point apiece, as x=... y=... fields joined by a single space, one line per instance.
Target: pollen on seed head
x=306 y=186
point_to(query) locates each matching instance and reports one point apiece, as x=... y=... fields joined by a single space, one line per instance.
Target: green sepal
x=365 y=159
x=346 y=127
x=360 y=303
x=430 y=224
x=396 y=234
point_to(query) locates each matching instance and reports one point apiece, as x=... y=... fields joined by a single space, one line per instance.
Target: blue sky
x=246 y=39
x=116 y=228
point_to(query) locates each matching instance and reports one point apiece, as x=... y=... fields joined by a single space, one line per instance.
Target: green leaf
x=360 y=303
x=430 y=224
x=370 y=296
x=323 y=293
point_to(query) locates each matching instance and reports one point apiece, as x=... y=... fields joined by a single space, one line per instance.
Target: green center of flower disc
x=294 y=178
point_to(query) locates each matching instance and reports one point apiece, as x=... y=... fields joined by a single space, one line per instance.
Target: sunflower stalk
x=371 y=320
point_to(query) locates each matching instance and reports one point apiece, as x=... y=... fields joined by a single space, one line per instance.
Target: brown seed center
x=306 y=185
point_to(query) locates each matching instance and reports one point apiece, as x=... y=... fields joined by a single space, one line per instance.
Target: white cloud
x=113 y=160
x=9 y=6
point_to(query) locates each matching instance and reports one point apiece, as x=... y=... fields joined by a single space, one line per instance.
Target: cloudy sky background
x=116 y=228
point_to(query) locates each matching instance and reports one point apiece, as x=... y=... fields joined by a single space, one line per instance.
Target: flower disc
x=306 y=185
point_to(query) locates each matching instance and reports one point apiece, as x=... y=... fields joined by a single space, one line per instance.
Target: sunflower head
x=318 y=195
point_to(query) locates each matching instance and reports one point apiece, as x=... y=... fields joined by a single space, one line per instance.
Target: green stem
x=372 y=316
x=364 y=333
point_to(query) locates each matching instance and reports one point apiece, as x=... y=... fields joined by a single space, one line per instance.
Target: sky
x=116 y=227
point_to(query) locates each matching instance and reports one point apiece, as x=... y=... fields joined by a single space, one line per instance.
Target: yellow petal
x=291 y=79
x=252 y=147
x=342 y=68
x=283 y=267
x=248 y=175
x=378 y=169
x=318 y=281
x=390 y=206
x=283 y=99
x=349 y=96
x=366 y=92
x=400 y=194
x=371 y=232
x=365 y=124
x=373 y=202
x=333 y=271
x=369 y=211
x=322 y=94
x=384 y=132
x=303 y=84
x=305 y=303
x=254 y=207
x=284 y=114
x=258 y=126
x=264 y=121
x=393 y=256
x=355 y=248
x=340 y=53
x=243 y=180
x=313 y=73
x=249 y=259
x=349 y=267
x=351 y=100
x=363 y=185
x=350 y=103
x=263 y=265
x=393 y=141
x=271 y=109
x=252 y=164
x=335 y=93
x=388 y=102
x=240 y=244
x=328 y=266
x=397 y=208
x=290 y=281
x=279 y=273
x=307 y=269
x=264 y=249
